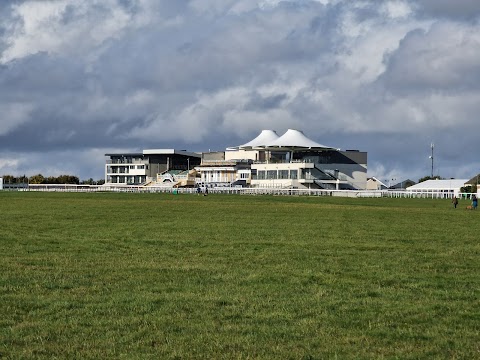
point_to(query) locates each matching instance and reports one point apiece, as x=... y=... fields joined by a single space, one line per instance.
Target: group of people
x=199 y=191
x=474 y=202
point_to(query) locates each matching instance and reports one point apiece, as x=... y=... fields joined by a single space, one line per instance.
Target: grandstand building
x=288 y=161
x=149 y=165
x=295 y=161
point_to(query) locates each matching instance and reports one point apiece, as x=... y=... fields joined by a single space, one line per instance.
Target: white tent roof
x=291 y=140
x=450 y=184
x=265 y=137
x=295 y=139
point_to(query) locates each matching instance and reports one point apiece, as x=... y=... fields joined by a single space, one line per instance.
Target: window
x=140 y=167
x=261 y=175
x=293 y=174
x=271 y=174
x=283 y=174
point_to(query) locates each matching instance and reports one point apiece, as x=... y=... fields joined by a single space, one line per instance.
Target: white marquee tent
x=265 y=137
x=296 y=140
x=290 y=141
x=448 y=187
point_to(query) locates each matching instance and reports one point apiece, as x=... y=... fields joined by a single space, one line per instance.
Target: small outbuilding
x=374 y=184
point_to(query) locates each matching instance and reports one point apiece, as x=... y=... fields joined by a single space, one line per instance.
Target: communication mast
x=431 y=156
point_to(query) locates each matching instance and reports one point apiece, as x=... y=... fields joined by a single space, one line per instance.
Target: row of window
x=125 y=160
x=126 y=179
x=276 y=174
x=125 y=169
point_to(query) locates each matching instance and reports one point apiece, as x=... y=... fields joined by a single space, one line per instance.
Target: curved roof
x=265 y=137
x=291 y=140
x=448 y=184
x=295 y=139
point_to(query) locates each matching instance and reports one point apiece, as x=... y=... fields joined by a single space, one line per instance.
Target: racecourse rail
x=240 y=191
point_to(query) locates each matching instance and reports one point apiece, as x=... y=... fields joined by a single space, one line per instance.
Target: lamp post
x=431 y=157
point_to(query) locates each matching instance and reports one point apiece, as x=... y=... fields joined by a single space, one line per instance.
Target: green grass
x=138 y=276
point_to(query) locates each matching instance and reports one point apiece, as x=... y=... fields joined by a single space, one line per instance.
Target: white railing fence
x=241 y=191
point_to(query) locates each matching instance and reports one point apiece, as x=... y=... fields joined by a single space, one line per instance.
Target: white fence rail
x=240 y=191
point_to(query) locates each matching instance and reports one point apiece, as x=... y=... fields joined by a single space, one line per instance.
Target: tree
x=425 y=178
x=67 y=179
x=37 y=179
x=9 y=179
x=408 y=183
x=469 y=189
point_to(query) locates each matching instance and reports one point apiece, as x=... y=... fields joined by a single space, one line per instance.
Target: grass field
x=139 y=276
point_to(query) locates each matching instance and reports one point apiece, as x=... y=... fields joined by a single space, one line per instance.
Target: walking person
x=455 y=202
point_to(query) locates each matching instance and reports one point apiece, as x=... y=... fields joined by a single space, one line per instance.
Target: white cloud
x=444 y=57
x=67 y=27
x=396 y=9
x=368 y=42
x=8 y=166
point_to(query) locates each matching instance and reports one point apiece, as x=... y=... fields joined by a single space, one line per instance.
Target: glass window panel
x=271 y=174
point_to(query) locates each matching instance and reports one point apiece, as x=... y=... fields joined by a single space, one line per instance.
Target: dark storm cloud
x=457 y=9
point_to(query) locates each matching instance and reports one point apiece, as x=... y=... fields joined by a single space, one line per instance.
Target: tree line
x=40 y=179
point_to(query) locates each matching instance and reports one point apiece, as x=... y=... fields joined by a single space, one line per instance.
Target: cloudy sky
x=81 y=78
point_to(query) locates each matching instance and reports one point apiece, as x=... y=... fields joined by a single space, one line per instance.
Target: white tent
x=295 y=140
x=444 y=188
x=265 y=137
x=438 y=185
x=291 y=140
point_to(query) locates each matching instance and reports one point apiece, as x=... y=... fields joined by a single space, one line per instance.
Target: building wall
x=279 y=174
x=351 y=165
x=355 y=174
x=254 y=155
x=137 y=168
x=372 y=184
x=341 y=165
x=213 y=155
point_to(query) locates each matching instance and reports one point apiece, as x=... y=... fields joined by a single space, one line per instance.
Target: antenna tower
x=431 y=156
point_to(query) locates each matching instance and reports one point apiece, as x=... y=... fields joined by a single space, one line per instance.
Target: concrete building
x=139 y=168
x=295 y=161
x=288 y=161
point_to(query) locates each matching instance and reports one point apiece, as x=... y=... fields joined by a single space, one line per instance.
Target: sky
x=79 y=79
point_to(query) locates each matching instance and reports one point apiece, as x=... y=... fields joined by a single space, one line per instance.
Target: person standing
x=455 y=202
x=474 y=202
